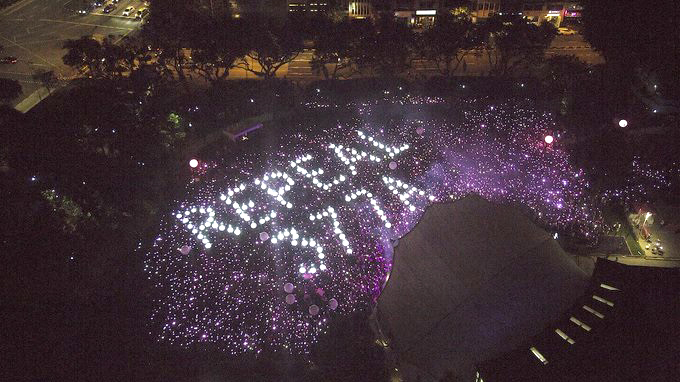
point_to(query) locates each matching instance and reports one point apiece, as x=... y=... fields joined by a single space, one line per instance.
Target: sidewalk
x=33 y=99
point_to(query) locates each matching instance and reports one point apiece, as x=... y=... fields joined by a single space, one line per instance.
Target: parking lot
x=34 y=32
x=120 y=7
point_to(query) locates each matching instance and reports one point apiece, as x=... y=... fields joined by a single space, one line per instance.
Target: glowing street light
x=549 y=139
x=623 y=123
x=193 y=163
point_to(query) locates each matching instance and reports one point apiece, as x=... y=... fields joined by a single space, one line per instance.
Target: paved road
x=475 y=65
x=34 y=31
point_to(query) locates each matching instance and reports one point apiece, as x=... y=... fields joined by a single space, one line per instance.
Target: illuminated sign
x=426 y=12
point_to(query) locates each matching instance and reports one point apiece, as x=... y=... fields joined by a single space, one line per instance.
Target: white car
x=566 y=31
x=128 y=11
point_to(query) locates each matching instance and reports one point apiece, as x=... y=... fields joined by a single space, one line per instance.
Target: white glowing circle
x=193 y=163
x=548 y=139
x=302 y=270
x=322 y=267
x=623 y=123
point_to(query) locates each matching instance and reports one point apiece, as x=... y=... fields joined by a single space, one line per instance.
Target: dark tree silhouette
x=515 y=45
x=336 y=48
x=272 y=43
x=47 y=78
x=9 y=90
x=84 y=52
x=650 y=43
x=389 y=50
x=448 y=42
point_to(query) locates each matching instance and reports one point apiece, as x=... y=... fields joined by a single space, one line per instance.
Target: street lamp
x=549 y=139
x=623 y=123
x=193 y=163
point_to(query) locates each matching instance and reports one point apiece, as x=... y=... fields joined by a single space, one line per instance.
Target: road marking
x=110 y=15
x=44 y=41
x=13 y=8
x=86 y=24
x=122 y=37
x=17 y=73
x=28 y=50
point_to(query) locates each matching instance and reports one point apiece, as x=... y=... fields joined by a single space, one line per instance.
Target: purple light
x=319 y=213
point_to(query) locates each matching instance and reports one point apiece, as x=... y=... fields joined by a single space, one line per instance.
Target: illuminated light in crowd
x=247 y=230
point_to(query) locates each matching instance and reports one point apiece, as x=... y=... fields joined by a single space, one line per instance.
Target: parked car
x=565 y=31
x=85 y=8
x=141 y=13
x=128 y=11
x=8 y=60
x=110 y=8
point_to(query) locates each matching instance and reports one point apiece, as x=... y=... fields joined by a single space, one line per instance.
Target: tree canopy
x=9 y=90
x=515 y=45
x=650 y=42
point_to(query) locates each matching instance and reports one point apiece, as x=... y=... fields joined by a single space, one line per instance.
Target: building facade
x=558 y=13
x=308 y=6
x=483 y=9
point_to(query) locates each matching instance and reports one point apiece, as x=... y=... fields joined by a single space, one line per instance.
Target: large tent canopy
x=471 y=280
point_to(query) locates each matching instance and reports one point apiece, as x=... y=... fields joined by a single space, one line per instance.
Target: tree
x=217 y=51
x=514 y=44
x=562 y=74
x=47 y=78
x=650 y=43
x=84 y=52
x=448 y=42
x=168 y=30
x=9 y=90
x=389 y=49
x=272 y=43
x=134 y=53
x=334 y=49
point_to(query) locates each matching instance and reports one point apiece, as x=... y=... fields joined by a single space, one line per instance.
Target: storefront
x=425 y=18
